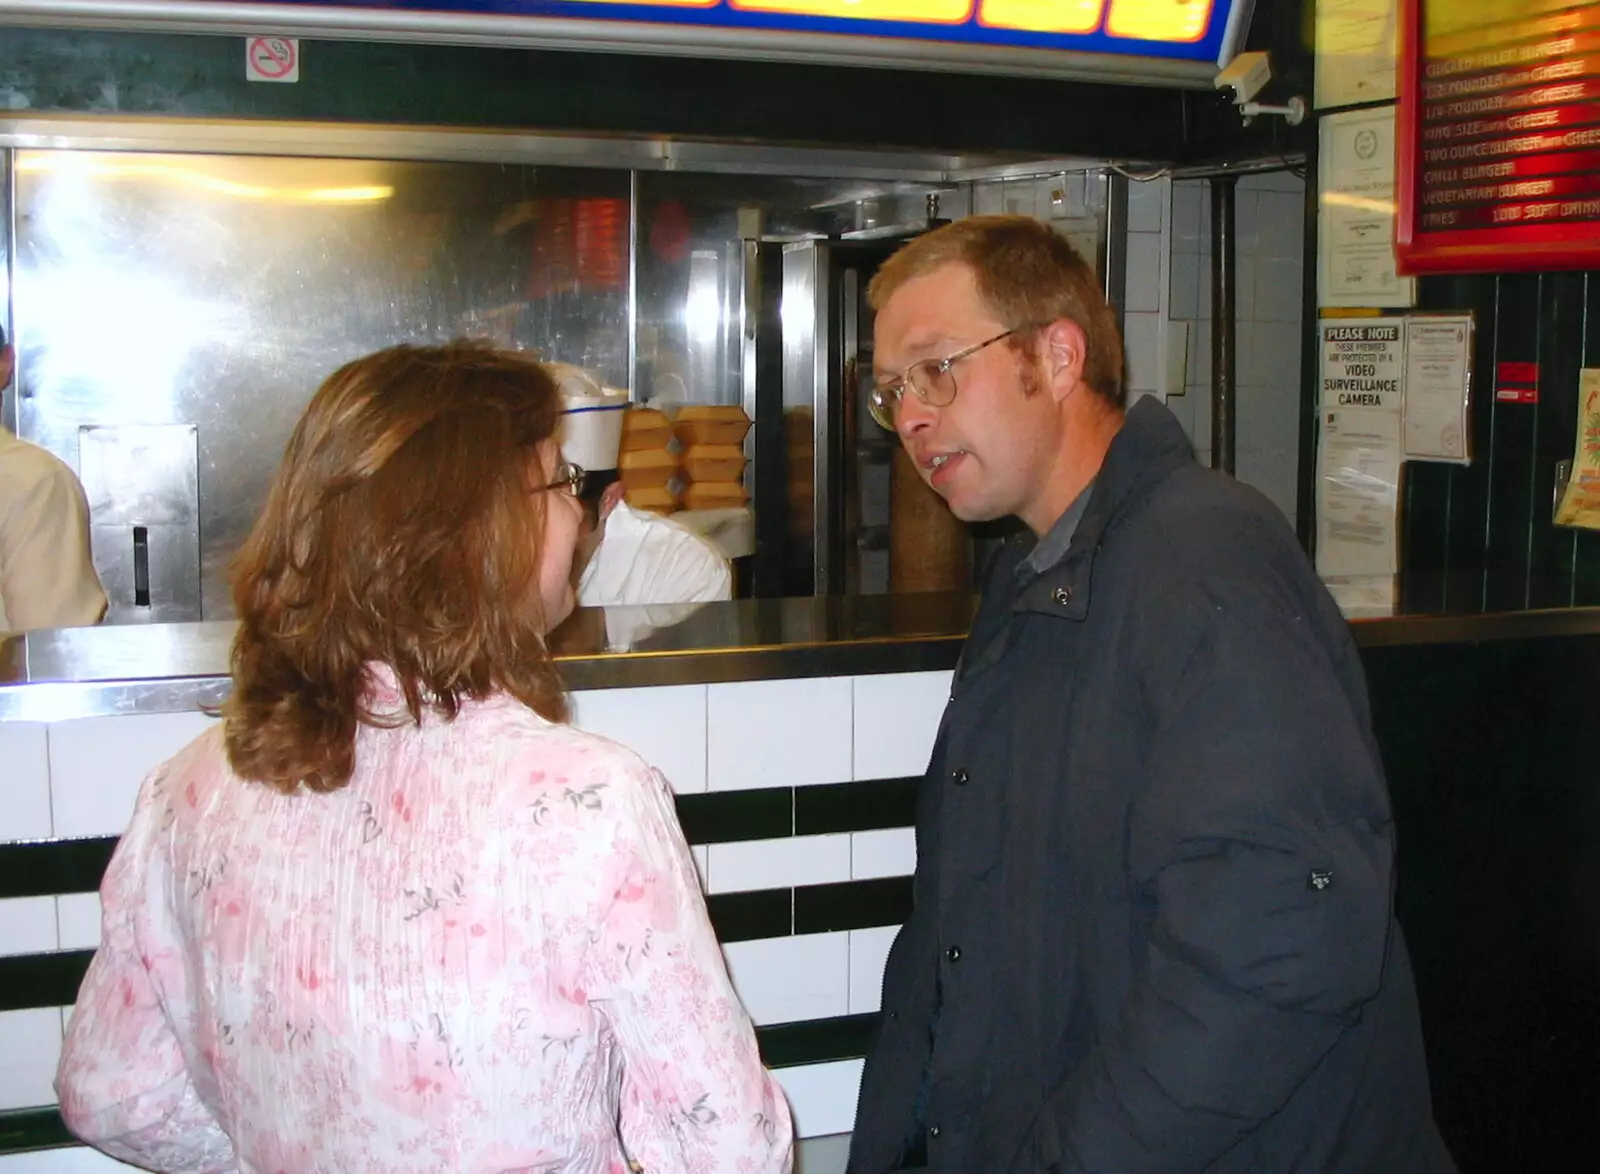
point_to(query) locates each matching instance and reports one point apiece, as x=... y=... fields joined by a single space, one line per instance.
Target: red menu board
x=1498 y=136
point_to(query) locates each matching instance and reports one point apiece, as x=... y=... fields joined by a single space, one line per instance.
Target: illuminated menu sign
x=1179 y=30
x=1499 y=136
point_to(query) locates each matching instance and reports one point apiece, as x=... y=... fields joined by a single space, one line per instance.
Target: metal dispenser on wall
x=143 y=486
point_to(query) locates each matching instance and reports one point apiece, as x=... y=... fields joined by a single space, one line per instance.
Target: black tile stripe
x=767 y=813
x=743 y=917
x=33 y=1129
x=855 y=807
x=816 y=1041
x=52 y=979
x=42 y=980
x=724 y=817
x=45 y=868
x=852 y=905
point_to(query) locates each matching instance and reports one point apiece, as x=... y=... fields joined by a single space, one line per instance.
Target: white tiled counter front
x=794 y=741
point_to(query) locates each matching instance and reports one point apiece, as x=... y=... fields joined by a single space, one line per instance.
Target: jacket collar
x=1149 y=447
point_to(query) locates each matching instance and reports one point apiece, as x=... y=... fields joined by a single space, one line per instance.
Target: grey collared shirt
x=1052 y=548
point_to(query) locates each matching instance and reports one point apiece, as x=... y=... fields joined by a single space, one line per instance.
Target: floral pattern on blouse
x=488 y=952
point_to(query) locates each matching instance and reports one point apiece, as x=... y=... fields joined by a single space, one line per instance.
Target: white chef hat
x=591 y=421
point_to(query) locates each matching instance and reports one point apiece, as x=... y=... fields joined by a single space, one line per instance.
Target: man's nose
x=913 y=416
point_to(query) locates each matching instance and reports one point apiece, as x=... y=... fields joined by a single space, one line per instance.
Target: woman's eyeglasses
x=569 y=478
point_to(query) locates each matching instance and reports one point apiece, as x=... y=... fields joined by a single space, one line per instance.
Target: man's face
x=8 y=363
x=593 y=528
x=989 y=452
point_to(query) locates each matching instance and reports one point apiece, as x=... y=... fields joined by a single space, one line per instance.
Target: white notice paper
x=1364 y=596
x=1358 y=491
x=1363 y=363
x=1355 y=239
x=1438 y=388
x=1355 y=51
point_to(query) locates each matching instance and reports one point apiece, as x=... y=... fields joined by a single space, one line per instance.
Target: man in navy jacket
x=1154 y=928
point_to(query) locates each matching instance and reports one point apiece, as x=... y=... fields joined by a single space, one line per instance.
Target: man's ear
x=1062 y=347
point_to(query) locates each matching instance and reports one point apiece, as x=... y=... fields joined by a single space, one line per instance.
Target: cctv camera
x=1246 y=75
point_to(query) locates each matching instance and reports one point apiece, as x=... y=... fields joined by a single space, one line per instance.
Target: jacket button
x=953 y=953
x=1062 y=595
x=959 y=777
x=933 y=1131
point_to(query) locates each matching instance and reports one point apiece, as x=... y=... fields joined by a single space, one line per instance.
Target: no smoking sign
x=271 y=59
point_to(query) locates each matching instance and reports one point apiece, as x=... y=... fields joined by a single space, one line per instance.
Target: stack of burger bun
x=646 y=463
x=712 y=459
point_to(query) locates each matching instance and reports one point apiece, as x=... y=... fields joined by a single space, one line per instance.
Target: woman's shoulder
x=564 y=758
x=201 y=764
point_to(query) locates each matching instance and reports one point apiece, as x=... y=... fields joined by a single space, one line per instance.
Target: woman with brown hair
x=394 y=914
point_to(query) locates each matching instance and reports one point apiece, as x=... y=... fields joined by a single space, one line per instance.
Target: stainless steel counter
x=174 y=668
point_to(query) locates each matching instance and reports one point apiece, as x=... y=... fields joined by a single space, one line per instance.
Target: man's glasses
x=569 y=479
x=930 y=380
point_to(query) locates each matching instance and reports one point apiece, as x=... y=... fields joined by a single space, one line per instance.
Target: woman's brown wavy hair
x=400 y=529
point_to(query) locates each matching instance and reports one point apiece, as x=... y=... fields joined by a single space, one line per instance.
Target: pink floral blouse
x=488 y=952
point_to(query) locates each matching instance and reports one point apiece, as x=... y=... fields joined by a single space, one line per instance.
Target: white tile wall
x=1278 y=290
x=25 y=781
x=27 y=925
x=822 y=1155
x=775 y=864
x=78 y=916
x=1280 y=217
x=1147 y=204
x=1141 y=336
x=1144 y=299
x=1143 y=274
x=659 y=724
x=896 y=719
x=1190 y=216
x=1186 y=278
x=822 y=1097
x=782 y=980
x=887 y=852
x=97 y=763
x=778 y=733
x=1269 y=243
x=73 y=1160
x=869 y=950
x=29 y=1058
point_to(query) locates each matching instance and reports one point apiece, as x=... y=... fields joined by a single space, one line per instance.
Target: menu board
x=1179 y=30
x=1499 y=136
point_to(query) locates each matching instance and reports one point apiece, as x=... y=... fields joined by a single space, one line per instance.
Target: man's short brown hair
x=400 y=530
x=1028 y=275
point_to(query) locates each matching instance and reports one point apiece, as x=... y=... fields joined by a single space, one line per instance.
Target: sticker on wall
x=1438 y=388
x=1516 y=383
x=1580 y=497
x=272 y=59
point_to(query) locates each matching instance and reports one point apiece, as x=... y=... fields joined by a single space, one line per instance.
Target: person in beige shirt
x=47 y=579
